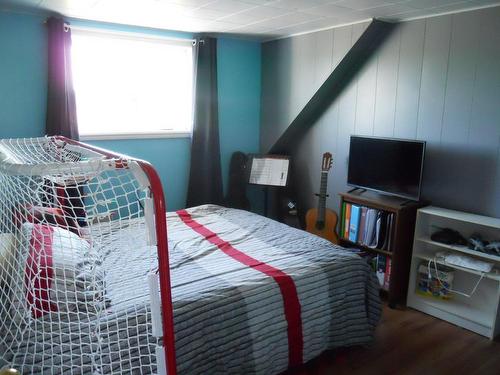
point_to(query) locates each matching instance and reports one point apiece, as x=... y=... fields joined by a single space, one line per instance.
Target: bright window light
x=127 y=85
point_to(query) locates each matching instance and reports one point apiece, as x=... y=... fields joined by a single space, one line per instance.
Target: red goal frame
x=121 y=162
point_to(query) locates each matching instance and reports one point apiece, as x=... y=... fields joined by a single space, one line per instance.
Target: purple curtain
x=205 y=176
x=61 y=106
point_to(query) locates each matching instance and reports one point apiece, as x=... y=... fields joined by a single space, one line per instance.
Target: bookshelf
x=401 y=235
x=479 y=313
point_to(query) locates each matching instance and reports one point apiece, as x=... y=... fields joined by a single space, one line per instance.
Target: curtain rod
x=127 y=33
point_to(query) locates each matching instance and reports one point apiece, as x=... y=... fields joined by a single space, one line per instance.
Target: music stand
x=268 y=170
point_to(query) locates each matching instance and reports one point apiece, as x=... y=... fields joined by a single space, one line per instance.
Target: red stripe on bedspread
x=285 y=282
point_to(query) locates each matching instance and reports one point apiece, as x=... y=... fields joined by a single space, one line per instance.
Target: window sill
x=117 y=136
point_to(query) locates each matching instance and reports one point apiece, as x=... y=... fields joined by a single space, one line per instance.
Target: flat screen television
x=386 y=165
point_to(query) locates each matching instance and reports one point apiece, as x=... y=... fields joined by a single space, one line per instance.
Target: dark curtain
x=61 y=109
x=205 y=178
x=61 y=106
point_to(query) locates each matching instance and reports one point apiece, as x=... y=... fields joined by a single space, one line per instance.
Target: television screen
x=391 y=166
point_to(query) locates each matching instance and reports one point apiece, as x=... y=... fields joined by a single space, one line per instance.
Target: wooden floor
x=410 y=342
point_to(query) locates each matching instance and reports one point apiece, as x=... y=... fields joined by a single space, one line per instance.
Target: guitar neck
x=322 y=196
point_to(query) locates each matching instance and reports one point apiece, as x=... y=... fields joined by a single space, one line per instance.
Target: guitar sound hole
x=320 y=225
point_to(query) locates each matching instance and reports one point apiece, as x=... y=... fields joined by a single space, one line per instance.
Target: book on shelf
x=354 y=223
x=362 y=223
x=389 y=231
x=378 y=232
x=342 y=219
x=382 y=230
x=387 y=276
x=347 y=220
x=370 y=239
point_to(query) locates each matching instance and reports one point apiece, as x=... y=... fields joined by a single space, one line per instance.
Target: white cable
x=449 y=289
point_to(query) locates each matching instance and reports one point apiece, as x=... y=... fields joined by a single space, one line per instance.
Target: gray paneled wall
x=435 y=79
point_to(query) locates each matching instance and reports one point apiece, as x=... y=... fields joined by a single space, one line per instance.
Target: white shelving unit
x=481 y=312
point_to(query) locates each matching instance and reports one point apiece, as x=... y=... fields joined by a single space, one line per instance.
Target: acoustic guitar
x=323 y=221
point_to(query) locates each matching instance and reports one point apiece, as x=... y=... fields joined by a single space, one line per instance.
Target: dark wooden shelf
x=382 y=202
x=348 y=243
x=402 y=237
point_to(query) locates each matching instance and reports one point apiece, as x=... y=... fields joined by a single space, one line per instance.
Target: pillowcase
x=62 y=271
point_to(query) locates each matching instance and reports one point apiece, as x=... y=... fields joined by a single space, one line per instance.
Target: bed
x=239 y=319
x=250 y=295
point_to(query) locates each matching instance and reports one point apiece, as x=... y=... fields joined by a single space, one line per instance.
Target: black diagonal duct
x=373 y=37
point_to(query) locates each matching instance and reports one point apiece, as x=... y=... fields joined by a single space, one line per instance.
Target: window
x=130 y=86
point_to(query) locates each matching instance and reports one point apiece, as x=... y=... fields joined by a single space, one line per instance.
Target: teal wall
x=23 y=75
x=23 y=82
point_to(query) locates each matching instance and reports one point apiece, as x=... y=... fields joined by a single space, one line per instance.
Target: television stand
x=407 y=202
x=400 y=250
x=361 y=190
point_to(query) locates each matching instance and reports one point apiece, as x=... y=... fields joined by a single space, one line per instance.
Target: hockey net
x=79 y=261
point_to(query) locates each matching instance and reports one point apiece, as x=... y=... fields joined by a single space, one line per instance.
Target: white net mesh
x=74 y=261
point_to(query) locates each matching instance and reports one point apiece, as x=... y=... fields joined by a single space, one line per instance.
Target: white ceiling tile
x=240 y=18
x=251 y=29
x=286 y=20
x=363 y=4
x=205 y=13
x=296 y=17
x=295 y=29
x=259 y=2
x=297 y=4
x=320 y=24
x=330 y=10
x=189 y=3
x=151 y=8
x=156 y=14
x=219 y=26
x=388 y=10
x=428 y=12
x=262 y=12
x=229 y=6
x=265 y=25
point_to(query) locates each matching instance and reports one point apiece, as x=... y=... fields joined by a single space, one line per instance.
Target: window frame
x=126 y=35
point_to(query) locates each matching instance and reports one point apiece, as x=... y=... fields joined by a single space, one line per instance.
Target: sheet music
x=269 y=171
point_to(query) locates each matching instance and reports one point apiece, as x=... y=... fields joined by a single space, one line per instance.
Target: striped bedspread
x=253 y=296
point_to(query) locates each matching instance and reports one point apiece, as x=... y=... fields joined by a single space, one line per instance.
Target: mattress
x=250 y=295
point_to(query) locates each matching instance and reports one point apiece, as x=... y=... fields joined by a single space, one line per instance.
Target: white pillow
x=62 y=271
